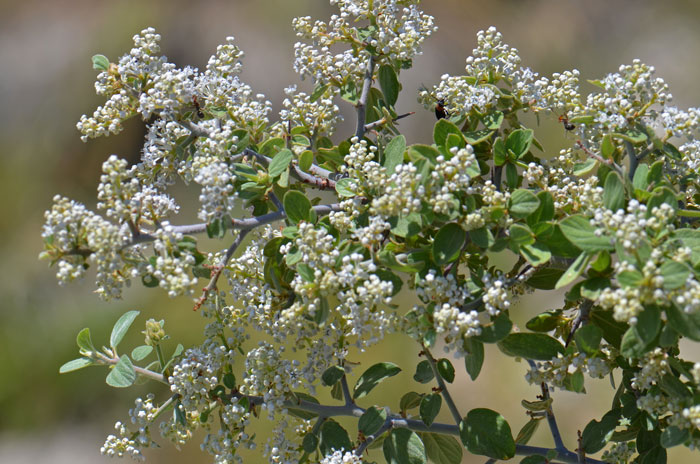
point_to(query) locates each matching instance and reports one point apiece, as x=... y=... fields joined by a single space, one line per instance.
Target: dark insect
x=200 y=113
x=440 y=110
x=567 y=125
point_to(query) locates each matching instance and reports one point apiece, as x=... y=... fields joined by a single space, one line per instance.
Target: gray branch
x=364 y=96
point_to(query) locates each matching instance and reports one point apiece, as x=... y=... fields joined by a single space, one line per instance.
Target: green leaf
x=511 y=176
x=121 y=327
x=673 y=436
x=631 y=135
x=318 y=91
x=404 y=446
x=493 y=120
x=372 y=376
x=632 y=346
x=215 y=229
x=424 y=373
x=614 y=192
x=301 y=413
x=499 y=152
x=684 y=324
x=100 y=63
x=648 y=324
x=575 y=270
x=522 y=203
x=630 y=279
x=596 y=434
x=612 y=329
x=639 y=182
x=140 y=352
x=579 y=231
x=333 y=437
x=297 y=206
x=430 y=407
x=588 y=339
x=393 y=153
x=574 y=382
x=280 y=162
x=536 y=254
x=442 y=449
x=674 y=273
x=482 y=237
x=84 y=342
x=410 y=400
x=332 y=375
x=389 y=84
x=497 y=330
x=674 y=387
x=372 y=420
x=474 y=359
x=309 y=443
x=607 y=147
x=520 y=235
x=536 y=346
x=448 y=243
x=535 y=459
x=75 y=364
x=544 y=278
x=306 y=159
x=122 y=374
x=476 y=137
x=519 y=141
x=487 y=433
x=527 y=431
x=446 y=369
x=442 y=128
x=229 y=381
x=346 y=187
x=592 y=287
x=544 y=322
x=585 y=168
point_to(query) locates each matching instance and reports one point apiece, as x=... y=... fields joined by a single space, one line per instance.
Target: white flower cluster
x=555 y=371
x=171 y=263
x=216 y=178
x=197 y=372
x=159 y=157
x=400 y=30
x=353 y=282
x=123 y=198
x=338 y=457
x=678 y=122
x=178 y=432
x=450 y=176
x=449 y=319
x=118 y=446
x=77 y=238
x=634 y=225
x=319 y=117
x=688 y=166
x=231 y=436
x=628 y=95
x=269 y=375
x=654 y=365
x=619 y=453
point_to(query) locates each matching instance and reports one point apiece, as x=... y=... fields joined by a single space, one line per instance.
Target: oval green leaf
x=404 y=446
x=280 y=162
x=121 y=327
x=296 y=206
x=372 y=420
x=536 y=346
x=487 y=433
x=122 y=374
x=372 y=376
x=74 y=365
x=430 y=407
x=448 y=243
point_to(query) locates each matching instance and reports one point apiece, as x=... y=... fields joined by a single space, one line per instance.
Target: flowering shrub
x=325 y=232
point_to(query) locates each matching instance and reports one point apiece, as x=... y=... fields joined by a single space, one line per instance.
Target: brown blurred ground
x=46 y=84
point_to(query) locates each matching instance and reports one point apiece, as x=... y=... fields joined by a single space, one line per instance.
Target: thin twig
x=368 y=440
x=552 y=421
x=238 y=224
x=216 y=272
x=346 y=391
x=364 y=96
x=275 y=201
x=380 y=122
x=634 y=161
x=584 y=311
x=443 y=387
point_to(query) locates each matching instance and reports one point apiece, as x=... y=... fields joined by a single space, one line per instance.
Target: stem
x=161 y=358
x=216 y=273
x=346 y=391
x=362 y=103
x=634 y=161
x=368 y=441
x=139 y=370
x=239 y=224
x=443 y=388
x=383 y=121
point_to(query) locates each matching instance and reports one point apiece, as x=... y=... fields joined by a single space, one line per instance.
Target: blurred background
x=46 y=83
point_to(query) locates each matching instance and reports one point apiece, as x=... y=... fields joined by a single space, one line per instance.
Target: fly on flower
x=440 y=110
